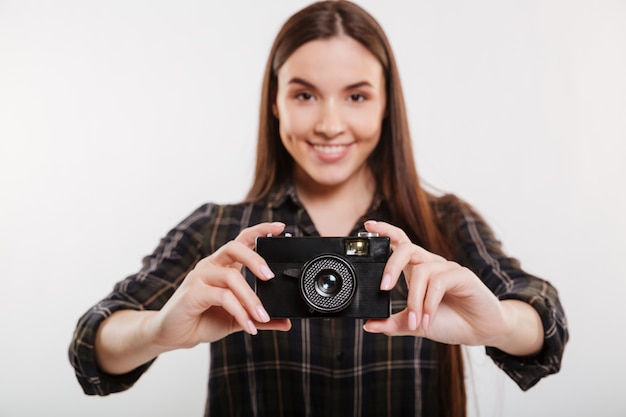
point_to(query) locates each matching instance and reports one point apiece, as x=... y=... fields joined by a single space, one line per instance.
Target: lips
x=330 y=153
x=329 y=150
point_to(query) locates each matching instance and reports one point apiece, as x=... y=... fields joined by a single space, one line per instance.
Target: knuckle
x=244 y=235
x=419 y=271
x=231 y=274
x=202 y=264
x=436 y=285
x=405 y=248
x=232 y=245
x=231 y=249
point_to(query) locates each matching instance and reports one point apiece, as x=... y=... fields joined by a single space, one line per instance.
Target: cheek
x=295 y=124
x=367 y=129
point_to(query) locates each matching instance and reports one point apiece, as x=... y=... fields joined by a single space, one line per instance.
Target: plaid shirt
x=320 y=367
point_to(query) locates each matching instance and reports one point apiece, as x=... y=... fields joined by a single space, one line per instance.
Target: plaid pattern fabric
x=321 y=367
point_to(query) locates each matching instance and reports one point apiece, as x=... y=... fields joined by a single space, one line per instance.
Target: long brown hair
x=391 y=162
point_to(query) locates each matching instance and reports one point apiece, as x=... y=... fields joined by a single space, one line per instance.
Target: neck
x=335 y=209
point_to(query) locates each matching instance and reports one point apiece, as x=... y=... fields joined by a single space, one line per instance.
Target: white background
x=118 y=118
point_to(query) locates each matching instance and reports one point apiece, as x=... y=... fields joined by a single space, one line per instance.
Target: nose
x=330 y=122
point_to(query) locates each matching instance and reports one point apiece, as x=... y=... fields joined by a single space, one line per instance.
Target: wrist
x=524 y=335
x=125 y=340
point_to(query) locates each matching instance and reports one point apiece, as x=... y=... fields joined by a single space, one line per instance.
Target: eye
x=356 y=97
x=304 y=96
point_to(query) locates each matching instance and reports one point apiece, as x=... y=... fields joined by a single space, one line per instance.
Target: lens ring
x=339 y=291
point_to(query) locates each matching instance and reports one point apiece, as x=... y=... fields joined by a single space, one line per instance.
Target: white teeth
x=329 y=149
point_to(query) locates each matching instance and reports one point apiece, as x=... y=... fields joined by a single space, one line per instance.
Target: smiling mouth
x=330 y=149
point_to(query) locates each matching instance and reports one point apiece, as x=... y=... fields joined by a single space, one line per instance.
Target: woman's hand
x=215 y=300
x=449 y=303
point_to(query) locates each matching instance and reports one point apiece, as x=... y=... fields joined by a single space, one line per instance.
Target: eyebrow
x=307 y=84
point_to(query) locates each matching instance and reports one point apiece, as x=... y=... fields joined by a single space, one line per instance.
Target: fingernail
x=412 y=321
x=263 y=316
x=369 y=329
x=266 y=271
x=385 y=284
x=426 y=321
x=252 y=328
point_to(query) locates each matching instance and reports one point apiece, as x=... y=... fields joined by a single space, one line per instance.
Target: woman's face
x=330 y=104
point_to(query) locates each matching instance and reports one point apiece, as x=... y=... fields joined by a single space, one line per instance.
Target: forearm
x=125 y=341
x=525 y=335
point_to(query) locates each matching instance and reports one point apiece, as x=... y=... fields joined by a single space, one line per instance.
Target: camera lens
x=328 y=283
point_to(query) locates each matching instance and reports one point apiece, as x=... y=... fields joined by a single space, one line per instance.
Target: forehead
x=336 y=60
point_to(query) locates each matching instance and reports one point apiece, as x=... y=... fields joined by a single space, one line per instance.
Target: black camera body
x=324 y=276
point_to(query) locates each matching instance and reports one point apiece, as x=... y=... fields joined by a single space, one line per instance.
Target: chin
x=331 y=181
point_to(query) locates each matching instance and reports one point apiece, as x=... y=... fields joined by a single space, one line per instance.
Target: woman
x=334 y=158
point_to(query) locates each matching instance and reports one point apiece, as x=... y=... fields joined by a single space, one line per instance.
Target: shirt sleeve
x=480 y=251
x=149 y=289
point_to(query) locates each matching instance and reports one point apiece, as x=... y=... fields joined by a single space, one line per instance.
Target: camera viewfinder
x=357 y=247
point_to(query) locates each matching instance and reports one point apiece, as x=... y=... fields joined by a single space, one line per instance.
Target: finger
x=239 y=250
x=234 y=254
x=399 y=259
x=396 y=325
x=224 y=298
x=404 y=252
x=395 y=234
x=248 y=236
x=282 y=325
x=396 y=262
x=438 y=285
x=432 y=284
x=426 y=290
x=404 y=256
x=417 y=282
x=399 y=238
x=232 y=280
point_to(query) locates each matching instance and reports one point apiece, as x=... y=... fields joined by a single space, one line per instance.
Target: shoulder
x=449 y=209
x=212 y=224
x=222 y=213
x=465 y=228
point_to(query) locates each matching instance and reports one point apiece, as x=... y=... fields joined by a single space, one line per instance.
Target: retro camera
x=324 y=276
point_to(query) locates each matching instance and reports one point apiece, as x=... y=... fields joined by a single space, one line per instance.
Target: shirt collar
x=287 y=193
x=282 y=194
